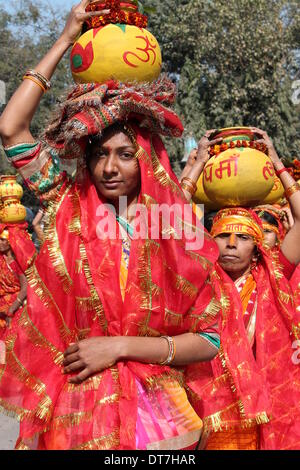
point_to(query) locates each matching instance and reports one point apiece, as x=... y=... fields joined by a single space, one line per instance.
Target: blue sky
x=67 y=4
x=59 y=4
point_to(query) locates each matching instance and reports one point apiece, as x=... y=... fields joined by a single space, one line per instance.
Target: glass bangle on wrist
x=187 y=184
x=282 y=170
x=189 y=181
x=39 y=79
x=32 y=79
x=44 y=80
x=187 y=188
x=292 y=190
x=172 y=351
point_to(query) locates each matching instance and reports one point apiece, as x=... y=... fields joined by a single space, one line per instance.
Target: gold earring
x=253 y=263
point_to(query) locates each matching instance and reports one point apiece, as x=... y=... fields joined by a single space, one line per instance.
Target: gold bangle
x=291 y=190
x=187 y=188
x=32 y=79
x=172 y=351
x=19 y=300
x=45 y=82
x=186 y=180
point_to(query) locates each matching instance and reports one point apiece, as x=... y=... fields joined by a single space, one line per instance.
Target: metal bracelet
x=172 y=351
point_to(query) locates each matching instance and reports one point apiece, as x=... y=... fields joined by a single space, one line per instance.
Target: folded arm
x=96 y=354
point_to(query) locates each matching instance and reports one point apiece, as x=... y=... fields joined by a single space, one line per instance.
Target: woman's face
x=236 y=253
x=270 y=238
x=114 y=167
x=4 y=245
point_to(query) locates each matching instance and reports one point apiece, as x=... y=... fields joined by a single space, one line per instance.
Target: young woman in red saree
x=16 y=254
x=96 y=359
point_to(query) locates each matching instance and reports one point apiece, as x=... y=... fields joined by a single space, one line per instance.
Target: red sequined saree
x=74 y=288
x=245 y=387
x=24 y=251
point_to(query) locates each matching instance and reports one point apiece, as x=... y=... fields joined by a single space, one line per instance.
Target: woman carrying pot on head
x=112 y=318
x=252 y=386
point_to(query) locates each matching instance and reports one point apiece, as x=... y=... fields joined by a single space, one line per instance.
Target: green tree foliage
x=236 y=62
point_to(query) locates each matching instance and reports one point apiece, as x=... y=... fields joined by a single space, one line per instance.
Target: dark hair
x=208 y=220
x=269 y=218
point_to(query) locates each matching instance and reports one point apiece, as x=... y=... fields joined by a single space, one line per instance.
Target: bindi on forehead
x=106 y=147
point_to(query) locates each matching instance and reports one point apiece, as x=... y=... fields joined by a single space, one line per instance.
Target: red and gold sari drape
x=24 y=251
x=264 y=390
x=74 y=293
x=9 y=287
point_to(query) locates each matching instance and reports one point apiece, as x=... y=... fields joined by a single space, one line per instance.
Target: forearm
x=95 y=354
x=14 y=307
x=18 y=302
x=22 y=296
x=190 y=348
x=193 y=173
x=37 y=220
x=197 y=161
x=291 y=244
x=39 y=232
x=287 y=181
x=23 y=291
x=185 y=171
x=16 y=118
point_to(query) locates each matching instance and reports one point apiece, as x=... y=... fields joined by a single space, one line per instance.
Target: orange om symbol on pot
x=145 y=54
x=268 y=171
x=277 y=184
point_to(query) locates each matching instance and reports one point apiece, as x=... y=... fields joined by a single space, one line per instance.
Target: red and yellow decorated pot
x=120 y=52
x=12 y=213
x=116 y=46
x=239 y=172
x=200 y=197
x=276 y=193
x=11 y=192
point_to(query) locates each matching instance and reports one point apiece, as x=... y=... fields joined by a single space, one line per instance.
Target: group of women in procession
x=134 y=343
